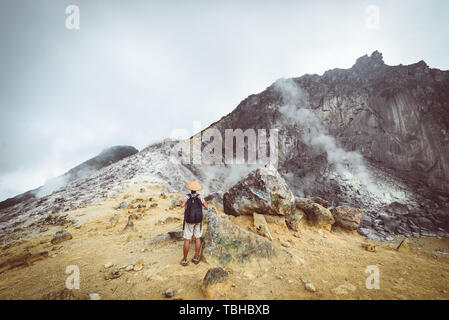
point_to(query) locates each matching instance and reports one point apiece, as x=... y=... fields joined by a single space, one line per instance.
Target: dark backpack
x=194 y=210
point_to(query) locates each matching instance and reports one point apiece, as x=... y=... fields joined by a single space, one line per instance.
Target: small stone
x=142 y=190
x=94 y=296
x=153 y=205
x=141 y=205
x=129 y=267
x=112 y=275
x=60 y=237
x=112 y=222
x=124 y=204
x=169 y=293
x=163 y=196
x=369 y=247
x=138 y=266
x=310 y=287
x=108 y=265
x=285 y=244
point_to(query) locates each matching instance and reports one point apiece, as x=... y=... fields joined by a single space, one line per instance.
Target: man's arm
x=183 y=203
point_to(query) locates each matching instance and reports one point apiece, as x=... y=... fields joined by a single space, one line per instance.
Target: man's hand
x=182 y=204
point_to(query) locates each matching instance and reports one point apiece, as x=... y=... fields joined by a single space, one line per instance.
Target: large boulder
x=347 y=217
x=225 y=242
x=263 y=191
x=316 y=214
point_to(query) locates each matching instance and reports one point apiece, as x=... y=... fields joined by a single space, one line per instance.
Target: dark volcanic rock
x=363 y=137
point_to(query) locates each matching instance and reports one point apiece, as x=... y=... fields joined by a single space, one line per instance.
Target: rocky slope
x=373 y=136
x=85 y=169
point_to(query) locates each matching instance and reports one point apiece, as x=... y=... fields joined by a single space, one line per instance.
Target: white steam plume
x=348 y=164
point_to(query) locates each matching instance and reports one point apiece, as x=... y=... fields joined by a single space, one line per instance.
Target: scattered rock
x=113 y=222
x=215 y=284
x=153 y=205
x=285 y=243
x=169 y=293
x=316 y=214
x=310 y=287
x=41 y=230
x=94 y=296
x=108 y=265
x=369 y=247
x=163 y=196
x=61 y=236
x=130 y=224
x=263 y=191
x=112 y=275
x=261 y=226
x=123 y=204
x=138 y=266
x=129 y=267
x=344 y=289
x=142 y=189
x=347 y=217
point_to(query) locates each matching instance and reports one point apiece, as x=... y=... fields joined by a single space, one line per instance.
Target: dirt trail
x=334 y=262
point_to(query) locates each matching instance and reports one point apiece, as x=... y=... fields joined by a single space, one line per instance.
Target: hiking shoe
x=184 y=262
x=195 y=260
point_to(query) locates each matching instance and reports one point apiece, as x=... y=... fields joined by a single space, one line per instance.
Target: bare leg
x=186 y=248
x=197 y=247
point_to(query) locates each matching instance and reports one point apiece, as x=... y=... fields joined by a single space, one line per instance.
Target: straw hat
x=194 y=185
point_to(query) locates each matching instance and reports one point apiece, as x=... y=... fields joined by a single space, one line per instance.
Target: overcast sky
x=137 y=70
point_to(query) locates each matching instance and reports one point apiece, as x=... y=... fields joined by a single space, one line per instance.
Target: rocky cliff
x=374 y=135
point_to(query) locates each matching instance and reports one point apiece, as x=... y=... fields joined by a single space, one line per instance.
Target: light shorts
x=192 y=229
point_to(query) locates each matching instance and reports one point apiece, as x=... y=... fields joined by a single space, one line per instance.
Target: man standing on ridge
x=193 y=220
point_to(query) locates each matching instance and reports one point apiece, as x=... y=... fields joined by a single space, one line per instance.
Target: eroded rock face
x=225 y=242
x=347 y=217
x=263 y=191
x=395 y=117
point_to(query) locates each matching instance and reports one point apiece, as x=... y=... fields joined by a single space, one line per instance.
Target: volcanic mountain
x=372 y=136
